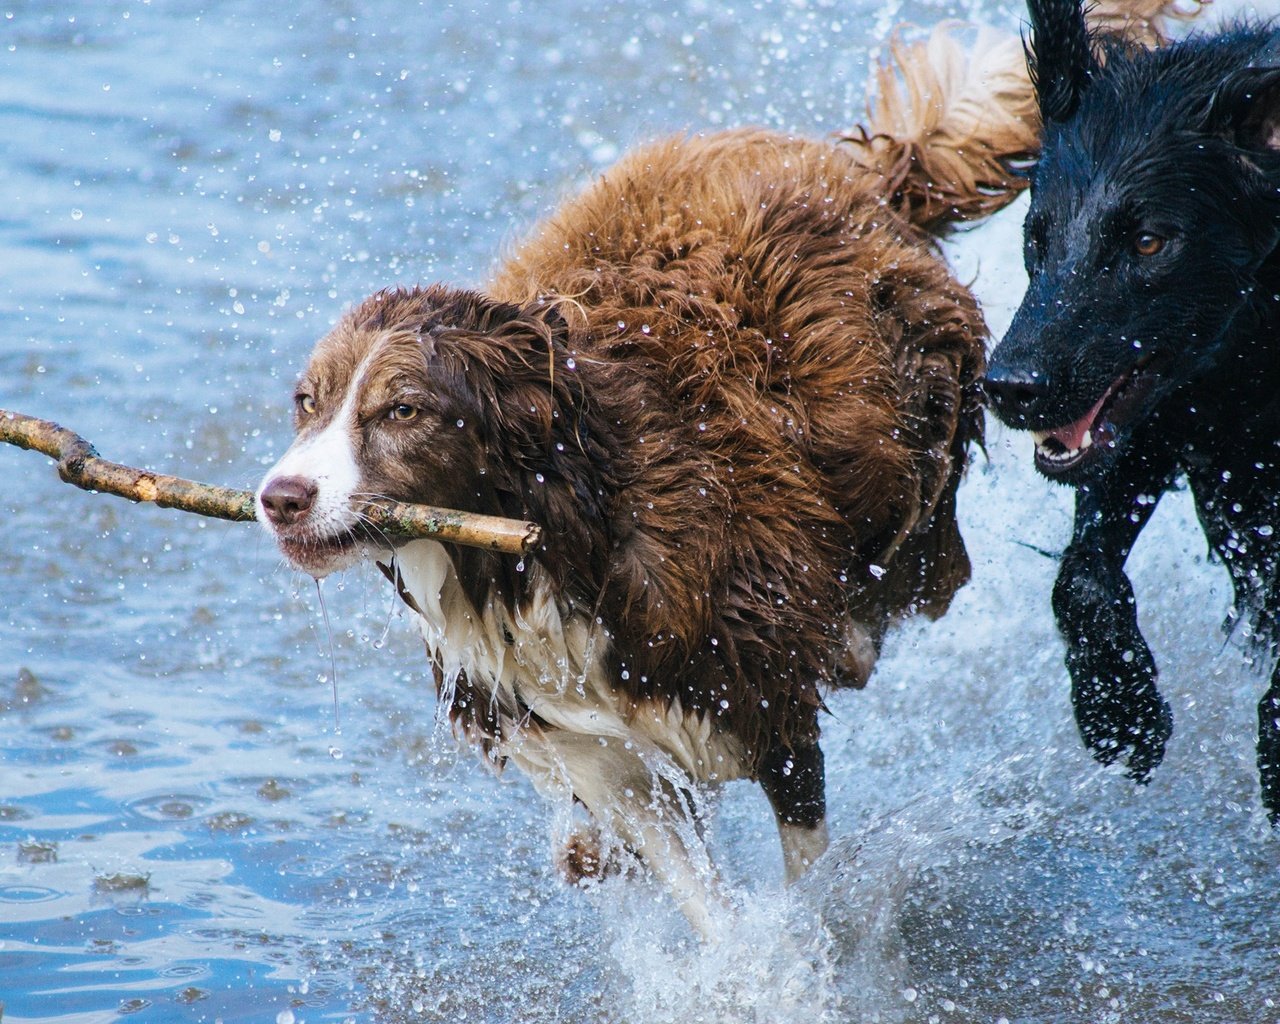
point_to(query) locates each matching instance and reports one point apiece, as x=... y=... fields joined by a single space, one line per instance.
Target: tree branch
x=79 y=464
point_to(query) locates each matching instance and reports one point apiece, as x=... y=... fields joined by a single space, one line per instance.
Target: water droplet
x=335 y=753
x=76 y=214
x=284 y=1017
x=877 y=571
x=570 y=363
x=520 y=565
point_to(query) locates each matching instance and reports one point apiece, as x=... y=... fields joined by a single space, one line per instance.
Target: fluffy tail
x=1141 y=22
x=949 y=127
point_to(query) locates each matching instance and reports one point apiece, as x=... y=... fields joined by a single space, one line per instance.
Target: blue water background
x=192 y=192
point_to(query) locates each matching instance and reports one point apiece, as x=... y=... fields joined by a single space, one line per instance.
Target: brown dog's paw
x=581 y=860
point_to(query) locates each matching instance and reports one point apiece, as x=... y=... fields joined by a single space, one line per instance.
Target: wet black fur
x=1182 y=143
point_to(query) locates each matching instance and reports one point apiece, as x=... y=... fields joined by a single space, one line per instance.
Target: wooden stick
x=79 y=464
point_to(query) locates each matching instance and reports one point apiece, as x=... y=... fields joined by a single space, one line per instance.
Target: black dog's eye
x=306 y=404
x=1147 y=244
x=402 y=411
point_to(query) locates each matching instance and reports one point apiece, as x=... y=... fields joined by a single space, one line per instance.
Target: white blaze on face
x=326 y=459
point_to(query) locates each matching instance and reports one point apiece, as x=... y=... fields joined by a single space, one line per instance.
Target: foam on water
x=773 y=961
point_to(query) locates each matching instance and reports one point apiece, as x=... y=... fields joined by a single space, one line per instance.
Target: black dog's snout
x=287 y=499
x=1014 y=394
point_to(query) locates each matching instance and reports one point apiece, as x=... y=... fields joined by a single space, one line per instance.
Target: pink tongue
x=1072 y=435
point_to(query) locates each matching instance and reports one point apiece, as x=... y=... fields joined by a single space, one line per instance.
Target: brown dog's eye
x=306 y=404
x=402 y=412
x=1147 y=244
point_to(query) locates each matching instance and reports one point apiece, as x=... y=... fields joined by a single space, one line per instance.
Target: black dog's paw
x=1123 y=716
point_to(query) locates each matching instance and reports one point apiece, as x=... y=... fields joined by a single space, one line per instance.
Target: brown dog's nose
x=287 y=499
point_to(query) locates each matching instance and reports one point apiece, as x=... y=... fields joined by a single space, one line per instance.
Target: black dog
x=1147 y=347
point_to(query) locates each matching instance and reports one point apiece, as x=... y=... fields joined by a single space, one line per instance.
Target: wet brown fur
x=734 y=381
x=732 y=385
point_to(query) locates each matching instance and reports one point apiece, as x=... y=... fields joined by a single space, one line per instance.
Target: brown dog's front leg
x=794 y=780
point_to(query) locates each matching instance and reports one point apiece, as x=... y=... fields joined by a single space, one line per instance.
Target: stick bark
x=79 y=464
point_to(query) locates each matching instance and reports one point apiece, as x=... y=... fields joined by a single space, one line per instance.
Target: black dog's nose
x=287 y=499
x=1014 y=394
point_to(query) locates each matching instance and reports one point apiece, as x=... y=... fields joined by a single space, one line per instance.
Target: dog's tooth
x=1059 y=456
x=1088 y=440
x=1039 y=437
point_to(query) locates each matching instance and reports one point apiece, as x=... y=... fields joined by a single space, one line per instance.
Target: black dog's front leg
x=1269 y=748
x=1239 y=508
x=1118 y=709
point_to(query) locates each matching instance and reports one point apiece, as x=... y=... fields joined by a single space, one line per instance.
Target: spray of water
x=333 y=660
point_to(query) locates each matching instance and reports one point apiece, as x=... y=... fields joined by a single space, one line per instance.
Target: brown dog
x=735 y=383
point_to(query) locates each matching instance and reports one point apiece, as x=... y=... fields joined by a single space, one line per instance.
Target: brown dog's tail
x=1141 y=22
x=950 y=125
x=947 y=126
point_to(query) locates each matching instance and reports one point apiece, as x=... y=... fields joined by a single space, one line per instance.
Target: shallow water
x=193 y=192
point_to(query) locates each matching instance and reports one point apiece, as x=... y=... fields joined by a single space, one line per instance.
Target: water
x=192 y=193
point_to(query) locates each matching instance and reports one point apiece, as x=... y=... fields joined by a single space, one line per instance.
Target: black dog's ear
x=1059 y=57
x=1246 y=107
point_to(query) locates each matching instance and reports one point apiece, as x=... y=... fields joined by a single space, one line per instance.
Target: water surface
x=193 y=191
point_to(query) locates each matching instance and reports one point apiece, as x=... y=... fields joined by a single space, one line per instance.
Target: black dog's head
x=1153 y=208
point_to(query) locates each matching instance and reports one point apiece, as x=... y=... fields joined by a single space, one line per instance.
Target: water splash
x=775 y=963
x=333 y=660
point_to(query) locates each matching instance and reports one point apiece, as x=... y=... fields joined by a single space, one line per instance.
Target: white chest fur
x=551 y=662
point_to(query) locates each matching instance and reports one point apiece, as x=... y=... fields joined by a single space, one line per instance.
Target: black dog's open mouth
x=1088 y=438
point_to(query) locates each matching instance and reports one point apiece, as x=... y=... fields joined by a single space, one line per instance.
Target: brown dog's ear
x=1059 y=56
x=549 y=311
x=478 y=313
x=537 y=326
